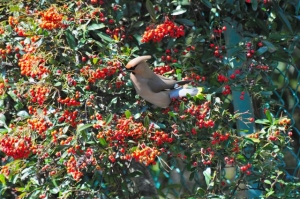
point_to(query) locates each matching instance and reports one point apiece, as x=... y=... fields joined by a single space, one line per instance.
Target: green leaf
x=172 y=186
x=127 y=114
x=270 y=193
x=2 y=179
x=96 y=26
x=103 y=142
x=261 y=50
x=178 y=11
x=113 y=101
x=269 y=116
x=200 y=191
x=70 y=39
x=22 y=195
x=256 y=140
x=185 y=21
x=262 y=25
x=137 y=116
x=109 y=119
x=285 y=21
x=262 y=121
x=83 y=127
x=138 y=24
x=207 y=175
x=146 y=122
x=172 y=114
x=149 y=7
x=105 y=37
x=181 y=107
x=23 y=114
x=207 y=3
x=55 y=190
x=254 y=4
x=179 y=74
x=270 y=46
x=3 y=131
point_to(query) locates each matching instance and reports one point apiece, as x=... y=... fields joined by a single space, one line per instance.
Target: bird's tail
x=180 y=83
x=183 y=92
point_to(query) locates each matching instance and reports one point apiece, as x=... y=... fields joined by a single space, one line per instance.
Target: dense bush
x=72 y=125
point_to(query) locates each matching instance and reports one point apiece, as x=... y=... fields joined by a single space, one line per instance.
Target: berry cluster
x=146 y=155
x=284 y=122
x=125 y=129
x=117 y=33
x=245 y=169
x=9 y=50
x=119 y=84
x=32 y=66
x=188 y=49
x=163 y=69
x=222 y=78
x=2 y=88
x=242 y=96
x=253 y=135
x=68 y=101
x=226 y=90
x=229 y=161
x=161 y=137
x=218 y=31
x=12 y=21
x=94 y=75
x=73 y=169
x=39 y=94
x=69 y=117
x=40 y=125
x=2 y=31
x=200 y=112
x=51 y=19
x=168 y=28
x=5 y=170
x=20 y=31
x=217 y=138
x=219 y=51
x=55 y=134
x=16 y=147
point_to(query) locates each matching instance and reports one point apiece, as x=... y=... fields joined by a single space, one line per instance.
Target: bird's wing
x=160 y=99
x=159 y=83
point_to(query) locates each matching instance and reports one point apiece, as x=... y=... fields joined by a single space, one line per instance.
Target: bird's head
x=138 y=65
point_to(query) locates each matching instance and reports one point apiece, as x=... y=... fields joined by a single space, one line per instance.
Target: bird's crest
x=134 y=62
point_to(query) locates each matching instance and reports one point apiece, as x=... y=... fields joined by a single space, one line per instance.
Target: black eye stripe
x=133 y=68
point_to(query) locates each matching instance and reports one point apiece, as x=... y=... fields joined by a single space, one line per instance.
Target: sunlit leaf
x=96 y=26
x=2 y=179
x=262 y=121
x=83 y=127
x=105 y=37
x=103 y=142
x=207 y=175
x=127 y=114
x=178 y=11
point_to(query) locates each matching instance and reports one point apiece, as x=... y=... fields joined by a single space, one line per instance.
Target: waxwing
x=156 y=89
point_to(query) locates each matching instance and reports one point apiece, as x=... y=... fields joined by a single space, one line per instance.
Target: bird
x=156 y=89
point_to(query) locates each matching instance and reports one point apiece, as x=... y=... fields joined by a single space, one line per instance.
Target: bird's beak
x=130 y=69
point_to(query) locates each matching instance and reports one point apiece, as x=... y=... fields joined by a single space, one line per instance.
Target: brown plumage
x=154 y=88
